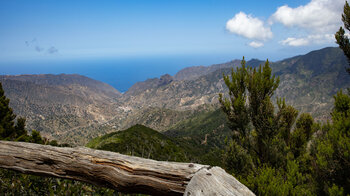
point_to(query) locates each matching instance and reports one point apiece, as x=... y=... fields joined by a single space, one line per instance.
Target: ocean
x=119 y=73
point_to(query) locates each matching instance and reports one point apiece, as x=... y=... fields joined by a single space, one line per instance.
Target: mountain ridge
x=76 y=112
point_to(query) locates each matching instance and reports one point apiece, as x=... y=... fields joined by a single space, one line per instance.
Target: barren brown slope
x=55 y=104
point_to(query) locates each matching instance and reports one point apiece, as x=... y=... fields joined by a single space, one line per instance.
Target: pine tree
x=235 y=107
x=341 y=39
x=264 y=152
x=9 y=129
x=259 y=134
x=7 y=117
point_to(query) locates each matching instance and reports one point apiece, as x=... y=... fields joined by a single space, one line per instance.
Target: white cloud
x=317 y=20
x=311 y=39
x=255 y=44
x=249 y=27
x=322 y=16
x=292 y=41
x=321 y=38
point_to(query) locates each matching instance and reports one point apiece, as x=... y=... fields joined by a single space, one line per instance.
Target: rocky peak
x=165 y=79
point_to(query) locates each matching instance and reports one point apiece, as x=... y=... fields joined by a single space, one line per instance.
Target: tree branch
x=120 y=172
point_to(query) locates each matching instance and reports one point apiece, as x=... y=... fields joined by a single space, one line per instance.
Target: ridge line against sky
x=56 y=30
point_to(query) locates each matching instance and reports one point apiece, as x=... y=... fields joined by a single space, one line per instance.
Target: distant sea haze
x=119 y=73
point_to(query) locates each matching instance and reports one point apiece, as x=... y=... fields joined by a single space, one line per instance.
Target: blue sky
x=60 y=30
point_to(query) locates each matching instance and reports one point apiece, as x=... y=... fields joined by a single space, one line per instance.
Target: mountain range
x=74 y=108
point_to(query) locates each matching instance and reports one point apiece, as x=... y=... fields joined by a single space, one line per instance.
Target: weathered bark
x=121 y=172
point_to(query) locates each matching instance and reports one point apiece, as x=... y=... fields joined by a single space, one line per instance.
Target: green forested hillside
x=203 y=136
x=200 y=138
x=140 y=141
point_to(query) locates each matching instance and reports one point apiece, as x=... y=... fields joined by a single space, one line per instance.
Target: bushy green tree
x=257 y=128
x=331 y=153
x=301 y=134
x=267 y=180
x=265 y=152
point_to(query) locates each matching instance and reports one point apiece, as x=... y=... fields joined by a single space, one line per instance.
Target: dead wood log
x=120 y=172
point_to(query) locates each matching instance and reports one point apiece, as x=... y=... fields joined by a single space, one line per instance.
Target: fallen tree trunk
x=120 y=172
